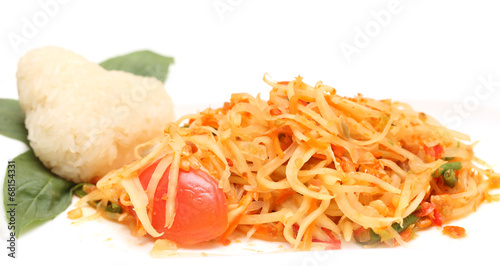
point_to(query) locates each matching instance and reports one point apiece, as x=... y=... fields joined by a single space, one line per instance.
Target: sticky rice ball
x=84 y=121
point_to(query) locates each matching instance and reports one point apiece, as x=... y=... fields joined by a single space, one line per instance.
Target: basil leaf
x=12 y=120
x=142 y=63
x=39 y=194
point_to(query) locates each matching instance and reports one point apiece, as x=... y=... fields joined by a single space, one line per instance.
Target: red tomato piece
x=434 y=152
x=438 y=219
x=201 y=212
x=425 y=209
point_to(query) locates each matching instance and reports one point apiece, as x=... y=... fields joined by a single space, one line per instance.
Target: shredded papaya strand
x=170 y=206
x=263 y=174
x=157 y=175
x=298 y=159
x=291 y=219
x=364 y=133
x=313 y=213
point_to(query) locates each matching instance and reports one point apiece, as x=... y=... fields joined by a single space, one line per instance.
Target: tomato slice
x=201 y=212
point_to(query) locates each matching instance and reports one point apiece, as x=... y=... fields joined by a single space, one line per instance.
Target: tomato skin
x=201 y=208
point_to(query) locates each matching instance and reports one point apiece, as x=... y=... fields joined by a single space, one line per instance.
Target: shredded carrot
x=319 y=156
x=276 y=144
x=347 y=165
x=316 y=144
x=284 y=194
x=243 y=204
x=315 y=185
x=405 y=236
x=292 y=105
x=306 y=243
x=307 y=239
x=268 y=231
x=339 y=151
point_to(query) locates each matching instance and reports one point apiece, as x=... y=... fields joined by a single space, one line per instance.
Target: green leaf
x=142 y=63
x=12 y=120
x=39 y=194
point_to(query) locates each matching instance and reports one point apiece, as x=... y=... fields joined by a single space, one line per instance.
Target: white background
x=433 y=54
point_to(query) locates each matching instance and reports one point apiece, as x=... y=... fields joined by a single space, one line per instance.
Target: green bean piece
x=449 y=178
x=452 y=165
x=407 y=221
x=78 y=189
x=113 y=208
